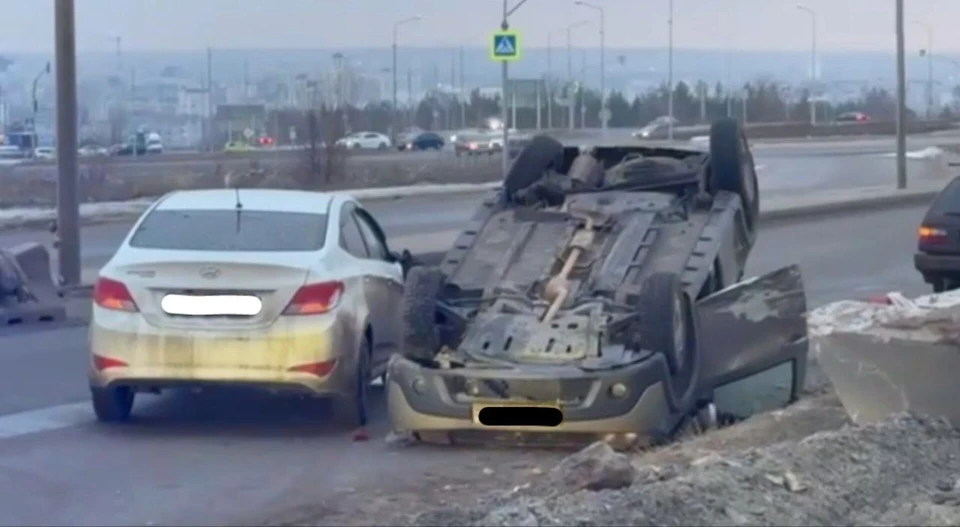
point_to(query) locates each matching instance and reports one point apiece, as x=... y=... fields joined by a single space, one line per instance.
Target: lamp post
x=504 y=81
x=603 y=66
x=569 y=33
x=670 y=70
x=901 y=100
x=813 y=60
x=36 y=104
x=68 y=204
x=393 y=112
x=929 y=54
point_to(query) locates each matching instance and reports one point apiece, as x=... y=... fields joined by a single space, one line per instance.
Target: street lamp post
x=603 y=66
x=68 y=204
x=569 y=31
x=36 y=104
x=393 y=110
x=504 y=81
x=572 y=96
x=901 y=100
x=813 y=60
x=929 y=54
x=670 y=71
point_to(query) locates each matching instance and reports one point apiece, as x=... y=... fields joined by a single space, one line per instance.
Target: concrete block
x=37 y=298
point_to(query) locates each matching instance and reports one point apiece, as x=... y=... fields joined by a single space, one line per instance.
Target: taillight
x=101 y=363
x=320 y=369
x=932 y=234
x=113 y=295
x=315 y=299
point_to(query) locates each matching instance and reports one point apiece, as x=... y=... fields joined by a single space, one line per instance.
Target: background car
x=657 y=128
x=474 y=144
x=236 y=146
x=423 y=141
x=853 y=117
x=92 y=151
x=281 y=289
x=938 y=240
x=365 y=141
x=44 y=152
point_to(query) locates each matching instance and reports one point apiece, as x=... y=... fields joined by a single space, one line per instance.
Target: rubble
x=596 y=467
x=899 y=472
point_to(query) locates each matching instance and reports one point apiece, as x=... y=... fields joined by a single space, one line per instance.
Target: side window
x=371 y=136
x=376 y=248
x=351 y=239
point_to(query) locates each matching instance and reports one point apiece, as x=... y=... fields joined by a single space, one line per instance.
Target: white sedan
x=279 y=289
x=365 y=140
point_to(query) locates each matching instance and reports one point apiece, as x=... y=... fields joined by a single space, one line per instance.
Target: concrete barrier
x=34 y=296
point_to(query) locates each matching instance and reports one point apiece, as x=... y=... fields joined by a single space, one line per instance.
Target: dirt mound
x=900 y=472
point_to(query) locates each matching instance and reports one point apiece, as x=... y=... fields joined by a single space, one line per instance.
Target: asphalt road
x=228 y=457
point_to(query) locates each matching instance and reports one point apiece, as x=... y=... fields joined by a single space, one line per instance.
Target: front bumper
x=421 y=399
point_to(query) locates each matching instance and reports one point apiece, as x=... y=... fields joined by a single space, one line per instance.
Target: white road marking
x=45 y=419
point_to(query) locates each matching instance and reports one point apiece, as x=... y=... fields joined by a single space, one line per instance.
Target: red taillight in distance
x=315 y=299
x=113 y=295
x=931 y=235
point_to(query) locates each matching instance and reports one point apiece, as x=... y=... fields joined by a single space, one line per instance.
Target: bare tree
x=118 y=122
x=323 y=161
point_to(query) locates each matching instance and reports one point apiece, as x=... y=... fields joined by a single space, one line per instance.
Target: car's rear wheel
x=666 y=325
x=542 y=154
x=732 y=168
x=351 y=409
x=112 y=405
x=421 y=335
x=383 y=146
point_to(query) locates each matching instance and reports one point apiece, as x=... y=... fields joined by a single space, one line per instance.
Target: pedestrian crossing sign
x=505 y=46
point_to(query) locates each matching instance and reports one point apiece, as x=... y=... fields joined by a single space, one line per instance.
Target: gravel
x=904 y=471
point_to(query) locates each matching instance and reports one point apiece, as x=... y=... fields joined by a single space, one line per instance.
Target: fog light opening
x=419 y=386
x=619 y=391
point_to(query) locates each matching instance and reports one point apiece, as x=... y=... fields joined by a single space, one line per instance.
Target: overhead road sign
x=505 y=46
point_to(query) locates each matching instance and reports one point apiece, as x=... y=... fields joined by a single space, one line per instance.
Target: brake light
x=932 y=234
x=101 y=363
x=113 y=295
x=315 y=299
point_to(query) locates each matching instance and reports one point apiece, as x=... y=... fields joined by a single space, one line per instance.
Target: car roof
x=252 y=199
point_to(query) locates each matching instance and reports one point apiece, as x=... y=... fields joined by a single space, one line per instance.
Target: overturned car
x=598 y=293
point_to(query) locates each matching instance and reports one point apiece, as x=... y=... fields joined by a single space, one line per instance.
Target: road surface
x=228 y=457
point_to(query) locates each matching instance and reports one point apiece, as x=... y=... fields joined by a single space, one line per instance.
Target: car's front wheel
x=112 y=405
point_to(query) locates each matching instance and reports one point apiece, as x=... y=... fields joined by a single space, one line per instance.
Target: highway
x=230 y=457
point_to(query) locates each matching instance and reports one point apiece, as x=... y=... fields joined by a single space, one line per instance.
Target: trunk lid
x=186 y=289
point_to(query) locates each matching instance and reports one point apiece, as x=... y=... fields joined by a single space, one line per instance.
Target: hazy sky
x=27 y=25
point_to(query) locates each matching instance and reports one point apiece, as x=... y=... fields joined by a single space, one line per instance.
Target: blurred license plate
x=495 y=403
x=211 y=305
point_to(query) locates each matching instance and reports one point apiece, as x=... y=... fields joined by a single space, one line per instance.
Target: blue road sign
x=505 y=46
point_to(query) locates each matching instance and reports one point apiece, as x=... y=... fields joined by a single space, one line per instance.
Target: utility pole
x=901 y=100
x=68 y=202
x=549 y=81
x=571 y=95
x=118 y=43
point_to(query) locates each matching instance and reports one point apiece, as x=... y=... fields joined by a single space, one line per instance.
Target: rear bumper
x=928 y=263
x=427 y=399
x=144 y=356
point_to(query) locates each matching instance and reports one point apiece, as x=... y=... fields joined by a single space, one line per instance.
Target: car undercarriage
x=601 y=286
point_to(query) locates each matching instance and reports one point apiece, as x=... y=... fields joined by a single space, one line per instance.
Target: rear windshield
x=948 y=202
x=227 y=230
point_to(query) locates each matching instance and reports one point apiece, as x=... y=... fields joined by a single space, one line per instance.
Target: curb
x=839 y=206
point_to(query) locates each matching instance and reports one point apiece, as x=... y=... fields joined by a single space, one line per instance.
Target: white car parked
x=280 y=289
x=44 y=152
x=365 y=140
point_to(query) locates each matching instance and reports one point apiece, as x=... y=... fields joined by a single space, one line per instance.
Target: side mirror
x=405 y=259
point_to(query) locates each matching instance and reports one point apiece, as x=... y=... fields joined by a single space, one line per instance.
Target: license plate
x=481 y=404
x=211 y=305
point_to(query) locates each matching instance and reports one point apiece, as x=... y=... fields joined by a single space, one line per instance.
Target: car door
x=388 y=274
x=370 y=141
x=374 y=294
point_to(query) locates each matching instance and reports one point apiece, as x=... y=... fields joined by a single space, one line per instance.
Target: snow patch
x=931 y=152
x=929 y=318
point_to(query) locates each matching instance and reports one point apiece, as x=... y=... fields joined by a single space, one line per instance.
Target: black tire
x=351 y=409
x=112 y=405
x=540 y=155
x=421 y=336
x=383 y=146
x=732 y=168
x=665 y=318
